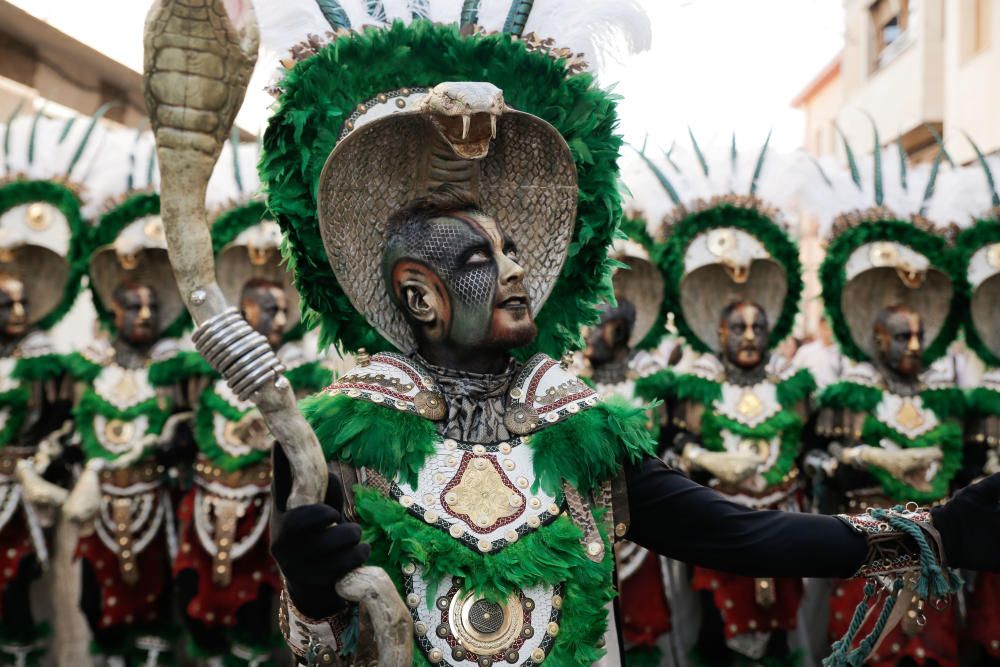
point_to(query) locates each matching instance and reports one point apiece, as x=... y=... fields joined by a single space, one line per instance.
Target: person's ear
x=422 y=296
x=417 y=300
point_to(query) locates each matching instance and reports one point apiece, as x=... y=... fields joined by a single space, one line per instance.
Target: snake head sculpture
x=465 y=113
x=199 y=55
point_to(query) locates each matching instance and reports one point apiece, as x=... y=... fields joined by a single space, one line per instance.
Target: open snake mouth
x=465 y=113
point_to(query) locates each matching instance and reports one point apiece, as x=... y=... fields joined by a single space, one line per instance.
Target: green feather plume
x=697 y=152
x=902 y=163
x=931 y=181
x=822 y=172
x=662 y=178
x=732 y=153
x=66 y=128
x=990 y=182
x=877 y=162
x=940 y=142
x=470 y=12
x=6 y=134
x=668 y=155
x=376 y=9
x=85 y=139
x=234 y=142
x=130 y=182
x=334 y=14
x=517 y=17
x=34 y=133
x=419 y=9
x=852 y=163
x=760 y=164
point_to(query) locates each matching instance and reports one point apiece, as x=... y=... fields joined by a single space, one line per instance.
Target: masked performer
x=443 y=212
x=979 y=253
x=617 y=355
x=124 y=417
x=225 y=575
x=893 y=415
x=737 y=412
x=41 y=245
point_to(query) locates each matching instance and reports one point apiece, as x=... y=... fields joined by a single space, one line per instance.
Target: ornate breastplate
x=123 y=388
x=482 y=497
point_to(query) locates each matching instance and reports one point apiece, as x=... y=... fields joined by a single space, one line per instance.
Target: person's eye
x=478 y=257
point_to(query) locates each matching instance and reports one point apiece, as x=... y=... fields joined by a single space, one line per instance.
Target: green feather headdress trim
x=318 y=95
x=634 y=227
x=233 y=222
x=982 y=233
x=18 y=192
x=740 y=214
x=867 y=229
x=109 y=226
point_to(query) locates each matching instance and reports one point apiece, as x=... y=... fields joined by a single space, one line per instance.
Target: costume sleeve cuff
x=891 y=549
x=313 y=641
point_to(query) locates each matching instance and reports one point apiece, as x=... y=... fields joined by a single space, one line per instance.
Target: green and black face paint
x=471 y=267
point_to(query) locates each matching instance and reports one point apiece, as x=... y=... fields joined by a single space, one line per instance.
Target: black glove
x=312 y=545
x=969 y=525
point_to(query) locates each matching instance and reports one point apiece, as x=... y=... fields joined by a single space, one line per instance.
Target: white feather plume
x=600 y=29
x=782 y=178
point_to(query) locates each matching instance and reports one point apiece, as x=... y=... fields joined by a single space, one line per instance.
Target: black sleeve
x=677 y=518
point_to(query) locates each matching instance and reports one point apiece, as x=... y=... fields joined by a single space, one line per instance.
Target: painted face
x=462 y=281
x=899 y=337
x=743 y=334
x=612 y=334
x=136 y=312
x=265 y=307
x=13 y=307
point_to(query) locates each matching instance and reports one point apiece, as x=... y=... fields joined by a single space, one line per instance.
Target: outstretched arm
x=678 y=518
x=673 y=516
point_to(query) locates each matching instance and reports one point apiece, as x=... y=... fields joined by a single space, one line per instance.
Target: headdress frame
x=319 y=94
x=153 y=266
x=936 y=299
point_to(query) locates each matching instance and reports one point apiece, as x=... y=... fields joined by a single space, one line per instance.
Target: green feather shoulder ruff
x=179 y=367
x=15 y=403
x=91 y=405
x=584 y=450
x=41 y=368
x=983 y=401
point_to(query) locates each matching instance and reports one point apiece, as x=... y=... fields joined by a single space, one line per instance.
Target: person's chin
x=516 y=334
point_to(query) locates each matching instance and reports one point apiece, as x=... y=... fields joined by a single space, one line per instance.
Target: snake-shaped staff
x=199 y=55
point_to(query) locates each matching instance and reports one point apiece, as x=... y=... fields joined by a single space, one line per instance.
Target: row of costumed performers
x=443 y=181
x=448 y=193
x=136 y=485
x=900 y=410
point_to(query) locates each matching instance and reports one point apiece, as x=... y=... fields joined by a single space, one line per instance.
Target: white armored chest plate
x=7 y=382
x=749 y=405
x=991 y=379
x=906 y=414
x=480 y=495
x=122 y=388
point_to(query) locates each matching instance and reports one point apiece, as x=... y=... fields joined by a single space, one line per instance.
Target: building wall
x=903 y=94
x=821 y=109
x=972 y=88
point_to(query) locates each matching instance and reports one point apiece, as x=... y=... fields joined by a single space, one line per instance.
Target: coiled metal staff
x=199 y=55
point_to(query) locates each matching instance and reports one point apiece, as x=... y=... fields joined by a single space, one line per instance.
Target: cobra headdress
x=975 y=205
x=128 y=243
x=368 y=119
x=247 y=242
x=43 y=233
x=724 y=239
x=883 y=250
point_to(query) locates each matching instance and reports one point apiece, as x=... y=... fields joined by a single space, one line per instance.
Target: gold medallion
x=909 y=416
x=749 y=405
x=431 y=405
x=126 y=388
x=484 y=627
x=482 y=495
x=38 y=217
x=119 y=432
x=520 y=420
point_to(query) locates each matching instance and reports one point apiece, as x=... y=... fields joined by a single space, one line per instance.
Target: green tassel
x=517 y=17
x=334 y=14
x=760 y=164
x=852 y=163
x=697 y=151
